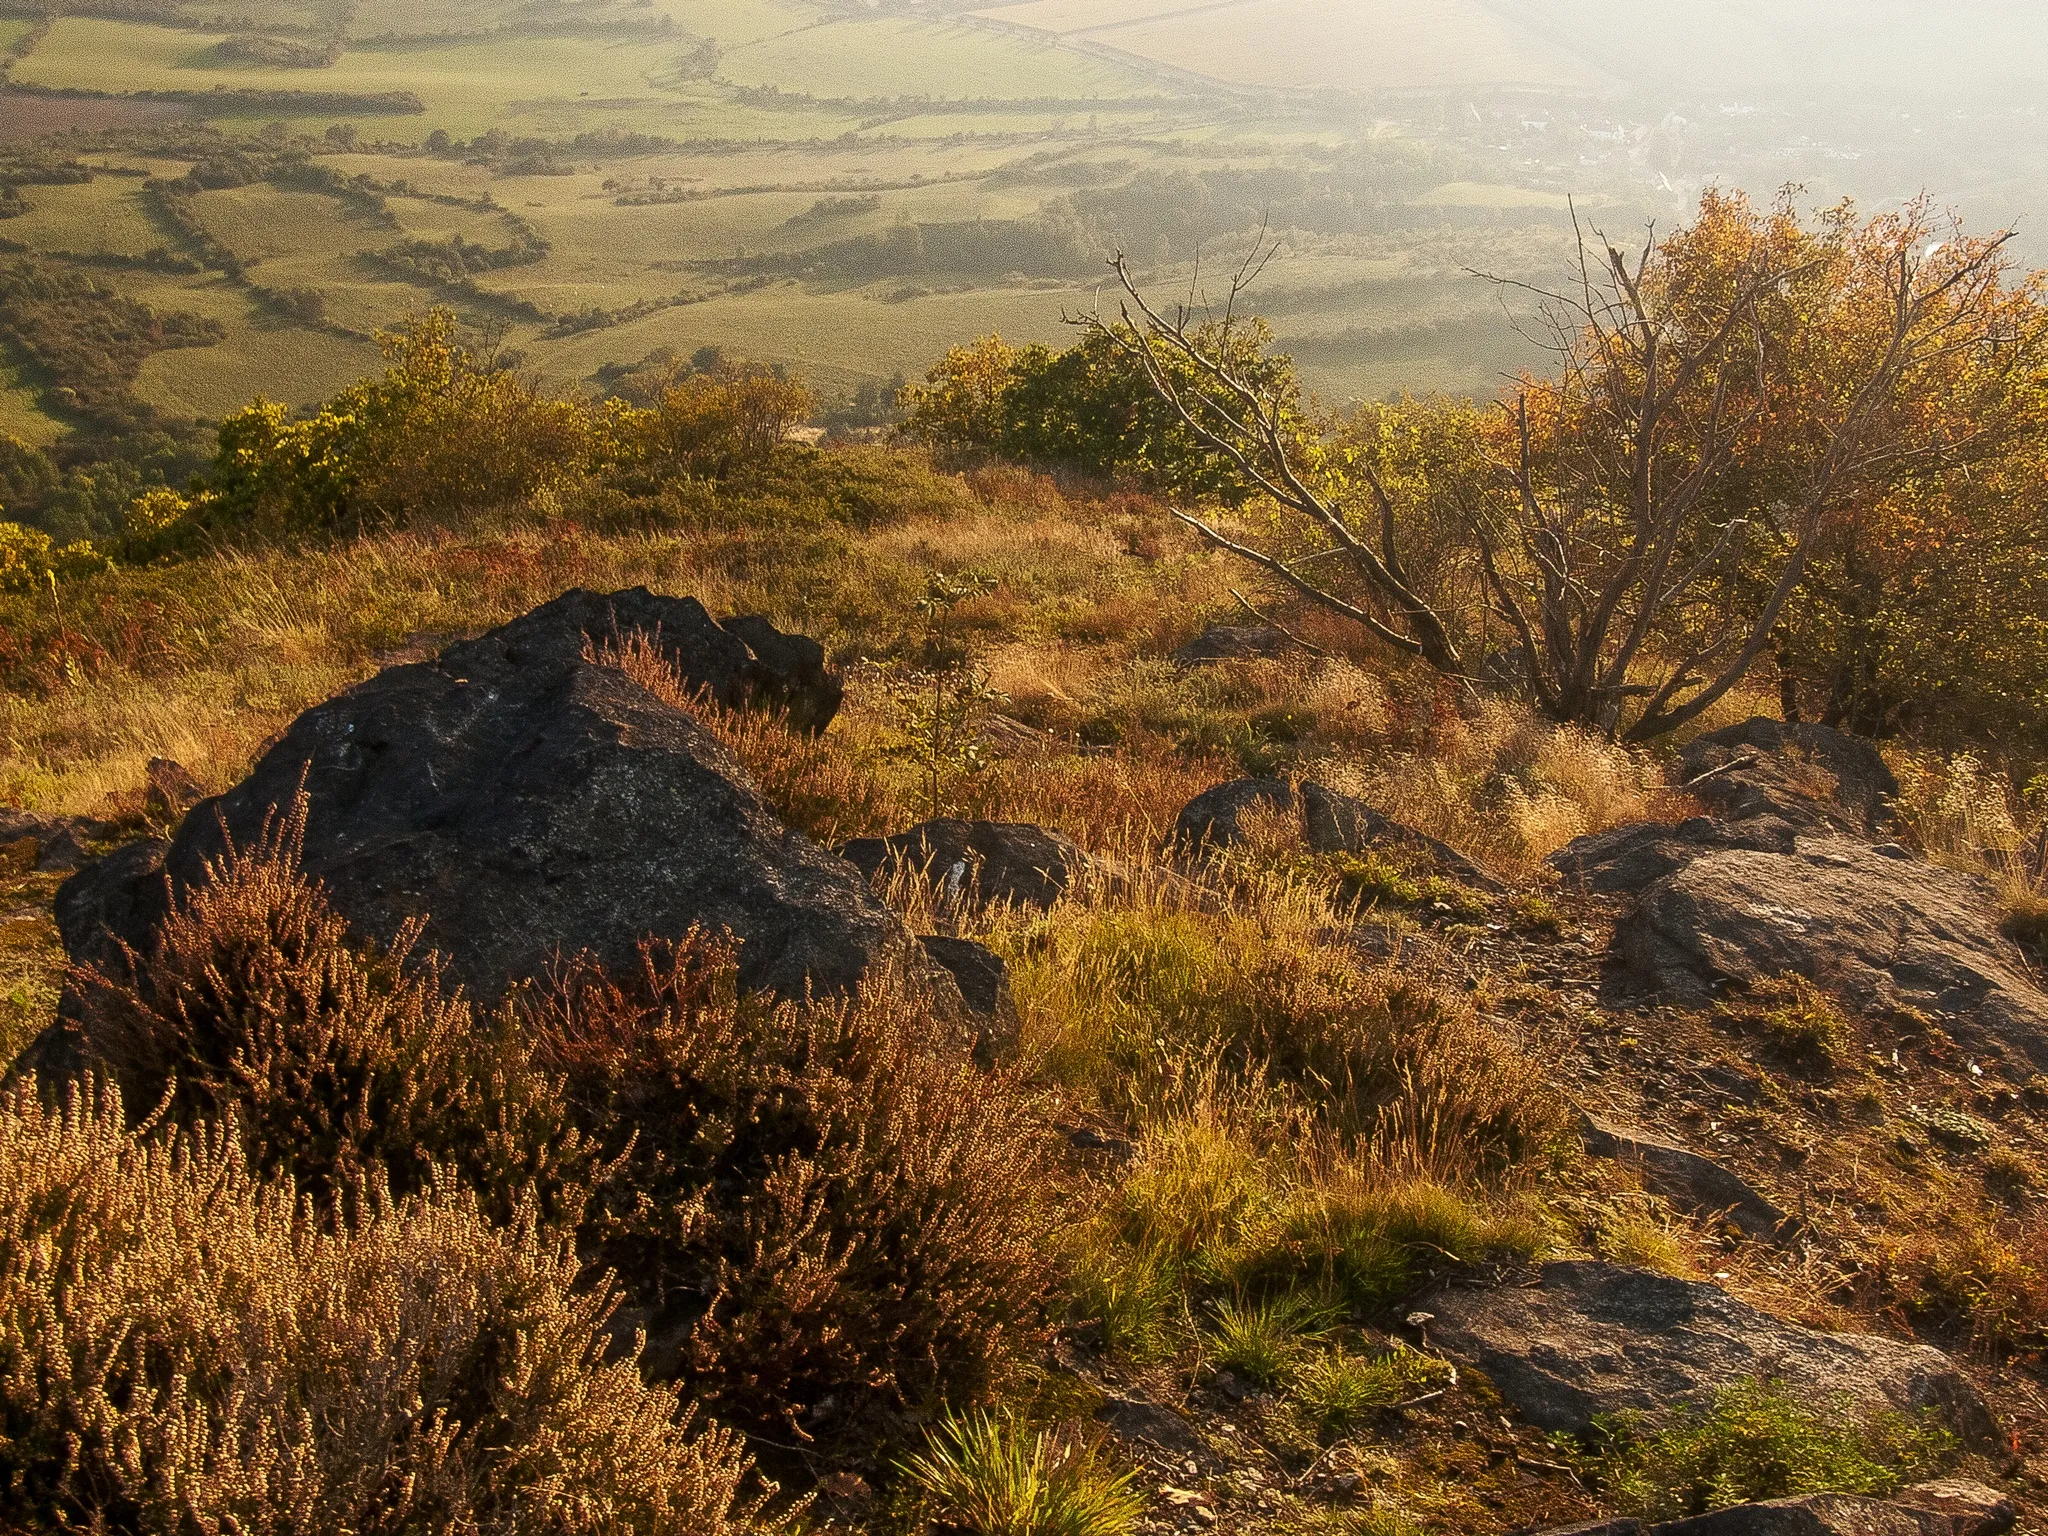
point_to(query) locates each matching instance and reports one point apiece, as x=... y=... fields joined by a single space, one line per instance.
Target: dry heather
x=182 y=1349
x=800 y=1204
x=338 y=1062
x=823 y=1214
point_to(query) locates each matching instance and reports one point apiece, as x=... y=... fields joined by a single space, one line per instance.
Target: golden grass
x=187 y=1350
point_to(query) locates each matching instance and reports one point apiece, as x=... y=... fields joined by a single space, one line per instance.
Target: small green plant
x=991 y=1476
x=1798 y=1019
x=942 y=705
x=1755 y=1441
x=1952 y=1127
x=1132 y=1298
x=1263 y=1341
x=1372 y=881
x=1538 y=915
x=1336 y=1390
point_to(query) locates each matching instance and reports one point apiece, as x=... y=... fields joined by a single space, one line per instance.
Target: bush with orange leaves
x=184 y=1347
x=821 y=1215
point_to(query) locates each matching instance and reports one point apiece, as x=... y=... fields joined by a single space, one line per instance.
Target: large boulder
x=533 y=804
x=1806 y=775
x=1592 y=1338
x=1882 y=931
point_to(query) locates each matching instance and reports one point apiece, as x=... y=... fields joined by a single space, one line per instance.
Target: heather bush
x=826 y=1213
x=813 y=1211
x=338 y=1061
x=183 y=1348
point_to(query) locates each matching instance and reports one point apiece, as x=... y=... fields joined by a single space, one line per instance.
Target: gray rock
x=1593 y=1338
x=1689 y=1181
x=969 y=863
x=1330 y=823
x=1147 y=1423
x=789 y=674
x=984 y=982
x=1766 y=768
x=1878 y=932
x=60 y=841
x=1215 y=817
x=1621 y=1527
x=1623 y=860
x=1225 y=642
x=1818 y=1514
x=1339 y=823
x=1977 y=1510
x=533 y=804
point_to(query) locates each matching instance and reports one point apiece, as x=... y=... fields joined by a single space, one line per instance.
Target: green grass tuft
x=990 y=1476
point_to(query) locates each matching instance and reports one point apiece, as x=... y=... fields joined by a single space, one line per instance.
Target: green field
x=943 y=60
x=845 y=194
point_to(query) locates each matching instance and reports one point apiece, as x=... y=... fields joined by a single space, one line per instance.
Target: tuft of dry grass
x=1506 y=787
x=183 y=1349
x=1130 y=1000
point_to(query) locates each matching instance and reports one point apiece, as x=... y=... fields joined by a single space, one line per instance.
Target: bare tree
x=1614 y=539
x=1611 y=557
x=1191 y=366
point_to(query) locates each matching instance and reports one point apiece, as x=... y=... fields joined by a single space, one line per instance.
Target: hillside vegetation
x=324 y=1242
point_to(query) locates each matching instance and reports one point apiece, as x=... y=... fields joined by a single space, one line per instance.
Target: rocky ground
x=1803 y=1055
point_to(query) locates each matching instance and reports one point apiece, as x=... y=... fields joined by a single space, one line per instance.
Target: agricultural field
x=1366 y=45
x=848 y=191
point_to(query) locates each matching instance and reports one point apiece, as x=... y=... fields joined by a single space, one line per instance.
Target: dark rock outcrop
x=1817 y=1514
x=1689 y=1181
x=1330 y=822
x=1593 y=1338
x=788 y=674
x=533 y=804
x=1624 y=860
x=1215 y=818
x=969 y=863
x=982 y=976
x=1338 y=823
x=1880 y=932
x=1226 y=642
x=1806 y=775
